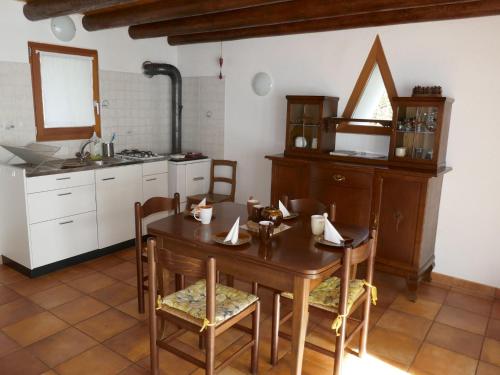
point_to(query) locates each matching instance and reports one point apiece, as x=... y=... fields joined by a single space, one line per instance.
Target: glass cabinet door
x=304 y=125
x=415 y=132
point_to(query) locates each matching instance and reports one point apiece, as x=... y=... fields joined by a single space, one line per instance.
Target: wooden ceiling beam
x=292 y=11
x=431 y=13
x=41 y=9
x=165 y=10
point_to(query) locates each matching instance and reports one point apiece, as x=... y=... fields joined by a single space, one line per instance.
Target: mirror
x=374 y=102
x=371 y=98
x=65 y=92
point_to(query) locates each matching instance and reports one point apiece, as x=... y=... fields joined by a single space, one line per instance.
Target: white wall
x=462 y=56
x=117 y=51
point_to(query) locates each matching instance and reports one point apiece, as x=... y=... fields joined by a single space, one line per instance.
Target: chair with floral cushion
x=205 y=307
x=334 y=298
x=152 y=206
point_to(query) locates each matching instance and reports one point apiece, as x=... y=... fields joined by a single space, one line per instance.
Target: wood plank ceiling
x=199 y=21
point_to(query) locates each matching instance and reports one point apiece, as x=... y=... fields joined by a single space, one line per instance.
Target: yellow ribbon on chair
x=337 y=323
x=373 y=291
x=159 y=302
x=206 y=323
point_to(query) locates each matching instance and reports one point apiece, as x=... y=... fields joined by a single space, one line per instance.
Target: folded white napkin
x=234 y=232
x=202 y=203
x=331 y=234
x=283 y=209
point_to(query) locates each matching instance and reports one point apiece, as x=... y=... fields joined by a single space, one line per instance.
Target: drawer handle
x=109 y=178
x=66 y=222
x=151 y=179
x=63 y=178
x=63 y=194
x=198 y=178
x=338 y=178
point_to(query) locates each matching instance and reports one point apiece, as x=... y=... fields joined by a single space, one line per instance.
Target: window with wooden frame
x=65 y=84
x=370 y=108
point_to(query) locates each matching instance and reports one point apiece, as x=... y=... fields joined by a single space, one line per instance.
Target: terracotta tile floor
x=84 y=320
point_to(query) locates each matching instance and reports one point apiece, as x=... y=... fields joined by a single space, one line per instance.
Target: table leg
x=301 y=289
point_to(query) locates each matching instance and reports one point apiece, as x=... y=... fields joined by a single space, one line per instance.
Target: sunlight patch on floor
x=369 y=364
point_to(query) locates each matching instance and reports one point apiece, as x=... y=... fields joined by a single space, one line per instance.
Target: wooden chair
x=337 y=298
x=195 y=309
x=211 y=196
x=308 y=206
x=151 y=206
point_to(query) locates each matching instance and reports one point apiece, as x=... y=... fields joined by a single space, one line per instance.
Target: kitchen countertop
x=55 y=166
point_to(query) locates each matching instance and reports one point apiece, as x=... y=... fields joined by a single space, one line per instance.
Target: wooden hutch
x=399 y=194
x=398 y=191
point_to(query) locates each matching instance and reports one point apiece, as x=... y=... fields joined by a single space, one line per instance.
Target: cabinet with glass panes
x=306 y=129
x=420 y=131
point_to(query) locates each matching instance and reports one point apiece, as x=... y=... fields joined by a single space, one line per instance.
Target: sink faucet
x=82 y=155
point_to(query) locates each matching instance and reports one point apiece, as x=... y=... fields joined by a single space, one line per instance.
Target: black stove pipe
x=152 y=69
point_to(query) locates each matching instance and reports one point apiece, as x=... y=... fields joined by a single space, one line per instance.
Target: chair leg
x=140 y=282
x=210 y=351
x=364 y=330
x=254 y=362
x=230 y=280
x=275 y=328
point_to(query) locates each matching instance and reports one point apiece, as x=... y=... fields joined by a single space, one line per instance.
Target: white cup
x=203 y=214
x=400 y=152
x=317 y=224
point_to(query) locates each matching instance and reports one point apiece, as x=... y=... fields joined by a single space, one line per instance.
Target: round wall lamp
x=63 y=28
x=262 y=84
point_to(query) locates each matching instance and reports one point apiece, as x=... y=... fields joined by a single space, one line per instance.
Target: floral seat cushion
x=326 y=295
x=192 y=301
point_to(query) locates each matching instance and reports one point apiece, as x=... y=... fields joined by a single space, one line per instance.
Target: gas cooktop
x=135 y=154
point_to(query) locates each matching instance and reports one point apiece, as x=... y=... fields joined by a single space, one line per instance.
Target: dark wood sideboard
x=404 y=203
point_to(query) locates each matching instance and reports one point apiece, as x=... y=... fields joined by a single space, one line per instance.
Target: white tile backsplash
x=138 y=110
x=203 y=115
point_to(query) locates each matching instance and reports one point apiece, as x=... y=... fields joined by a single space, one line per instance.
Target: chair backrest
x=308 y=206
x=160 y=258
x=365 y=251
x=231 y=181
x=153 y=206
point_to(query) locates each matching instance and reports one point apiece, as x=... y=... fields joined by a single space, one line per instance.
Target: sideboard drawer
x=59 y=181
x=342 y=177
x=54 y=204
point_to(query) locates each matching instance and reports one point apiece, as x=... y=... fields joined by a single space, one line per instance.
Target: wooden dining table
x=292 y=261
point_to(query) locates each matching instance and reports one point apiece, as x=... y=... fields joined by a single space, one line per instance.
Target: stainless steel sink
x=77 y=163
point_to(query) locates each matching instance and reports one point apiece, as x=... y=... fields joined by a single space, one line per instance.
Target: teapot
x=272 y=214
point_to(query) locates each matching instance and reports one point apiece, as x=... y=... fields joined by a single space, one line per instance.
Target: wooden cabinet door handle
x=338 y=178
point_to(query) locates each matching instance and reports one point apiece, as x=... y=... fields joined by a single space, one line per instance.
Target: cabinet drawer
x=59 y=181
x=54 y=204
x=117 y=174
x=55 y=240
x=197 y=178
x=342 y=177
x=155 y=167
x=155 y=185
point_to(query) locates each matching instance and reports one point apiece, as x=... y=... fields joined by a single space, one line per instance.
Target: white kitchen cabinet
x=117 y=189
x=189 y=178
x=46 y=219
x=53 y=204
x=154 y=184
x=64 y=238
